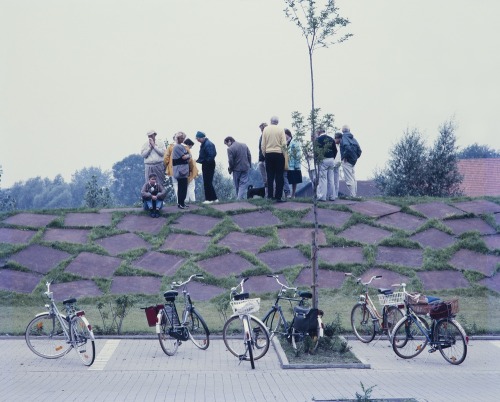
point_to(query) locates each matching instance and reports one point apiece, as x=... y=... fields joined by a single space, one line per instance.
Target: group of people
x=279 y=164
x=177 y=162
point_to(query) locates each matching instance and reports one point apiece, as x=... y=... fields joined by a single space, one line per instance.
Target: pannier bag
x=443 y=309
x=151 y=313
x=305 y=319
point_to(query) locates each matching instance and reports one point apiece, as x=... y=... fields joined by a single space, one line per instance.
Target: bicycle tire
x=46 y=338
x=362 y=322
x=450 y=338
x=82 y=340
x=198 y=330
x=393 y=315
x=232 y=334
x=408 y=340
x=168 y=343
x=274 y=323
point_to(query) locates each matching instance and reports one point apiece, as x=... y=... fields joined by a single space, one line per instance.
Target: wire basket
x=247 y=306
x=394 y=299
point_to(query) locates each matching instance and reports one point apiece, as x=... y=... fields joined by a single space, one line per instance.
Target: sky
x=83 y=81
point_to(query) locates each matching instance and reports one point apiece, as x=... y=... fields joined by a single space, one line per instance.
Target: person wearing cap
x=193 y=173
x=153 y=152
x=273 y=147
x=207 y=160
x=240 y=163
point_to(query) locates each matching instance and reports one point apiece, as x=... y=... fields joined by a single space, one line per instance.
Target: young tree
x=476 y=151
x=95 y=196
x=320 y=28
x=7 y=203
x=443 y=176
x=80 y=178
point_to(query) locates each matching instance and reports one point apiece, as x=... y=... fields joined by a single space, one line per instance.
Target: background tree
x=414 y=169
x=128 y=177
x=476 y=151
x=320 y=27
x=405 y=174
x=442 y=174
x=6 y=201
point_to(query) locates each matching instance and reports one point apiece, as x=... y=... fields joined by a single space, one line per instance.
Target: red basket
x=151 y=313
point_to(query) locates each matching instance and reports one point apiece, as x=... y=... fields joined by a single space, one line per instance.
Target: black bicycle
x=172 y=330
x=306 y=323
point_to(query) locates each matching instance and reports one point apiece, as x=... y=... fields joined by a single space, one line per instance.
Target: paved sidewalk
x=138 y=370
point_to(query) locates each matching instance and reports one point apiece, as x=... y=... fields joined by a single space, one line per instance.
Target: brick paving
x=437 y=210
x=30 y=220
x=238 y=241
x=256 y=219
x=277 y=260
x=433 y=238
x=90 y=265
x=39 y=258
x=78 y=236
x=122 y=243
x=87 y=219
x=160 y=263
x=365 y=234
x=402 y=221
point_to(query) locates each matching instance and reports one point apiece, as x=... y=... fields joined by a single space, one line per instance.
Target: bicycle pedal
x=432 y=350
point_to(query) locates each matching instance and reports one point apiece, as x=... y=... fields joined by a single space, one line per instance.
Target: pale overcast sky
x=82 y=81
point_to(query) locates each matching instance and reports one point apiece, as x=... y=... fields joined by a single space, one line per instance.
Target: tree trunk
x=314 y=245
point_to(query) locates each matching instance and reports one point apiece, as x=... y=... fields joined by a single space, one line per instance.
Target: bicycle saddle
x=385 y=291
x=69 y=301
x=170 y=295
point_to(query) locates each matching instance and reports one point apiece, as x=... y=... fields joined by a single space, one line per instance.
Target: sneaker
x=152 y=214
x=181 y=206
x=207 y=202
x=216 y=200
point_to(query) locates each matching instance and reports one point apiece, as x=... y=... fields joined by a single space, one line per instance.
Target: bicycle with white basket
x=244 y=335
x=366 y=320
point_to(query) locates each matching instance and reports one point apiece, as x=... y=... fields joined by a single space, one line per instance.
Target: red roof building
x=481 y=176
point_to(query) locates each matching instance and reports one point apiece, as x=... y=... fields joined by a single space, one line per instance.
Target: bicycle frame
x=64 y=320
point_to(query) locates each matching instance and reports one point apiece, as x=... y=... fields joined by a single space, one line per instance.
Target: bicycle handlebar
x=240 y=285
x=358 y=280
x=179 y=284
x=283 y=286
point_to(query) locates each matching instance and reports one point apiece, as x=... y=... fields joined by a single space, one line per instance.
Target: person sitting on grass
x=153 y=194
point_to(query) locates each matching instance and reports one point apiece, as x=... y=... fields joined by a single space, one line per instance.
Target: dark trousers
x=275 y=167
x=182 y=186
x=208 y=170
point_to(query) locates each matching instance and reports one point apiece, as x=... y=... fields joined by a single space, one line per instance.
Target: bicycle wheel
x=250 y=354
x=46 y=337
x=167 y=342
x=198 y=330
x=450 y=338
x=362 y=322
x=408 y=340
x=274 y=323
x=83 y=342
x=233 y=337
x=393 y=315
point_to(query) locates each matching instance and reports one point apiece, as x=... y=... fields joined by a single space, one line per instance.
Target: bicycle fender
x=158 y=322
x=91 y=332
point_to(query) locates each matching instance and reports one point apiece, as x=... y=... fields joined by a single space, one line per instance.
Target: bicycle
x=52 y=335
x=297 y=330
x=366 y=320
x=411 y=334
x=242 y=324
x=274 y=319
x=170 y=329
